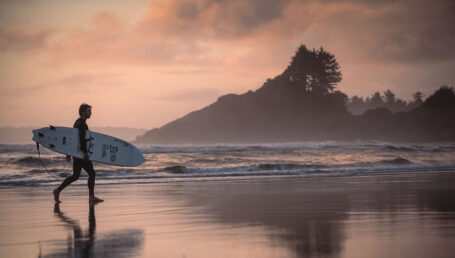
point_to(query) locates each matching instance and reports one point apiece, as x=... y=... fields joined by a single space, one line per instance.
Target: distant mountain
x=301 y=104
x=24 y=134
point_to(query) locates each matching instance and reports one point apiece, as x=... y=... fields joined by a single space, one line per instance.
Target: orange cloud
x=209 y=32
x=212 y=19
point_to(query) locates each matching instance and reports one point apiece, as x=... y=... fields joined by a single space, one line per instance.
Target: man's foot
x=57 y=207
x=56 y=193
x=94 y=199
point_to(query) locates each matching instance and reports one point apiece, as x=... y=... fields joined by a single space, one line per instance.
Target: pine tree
x=314 y=70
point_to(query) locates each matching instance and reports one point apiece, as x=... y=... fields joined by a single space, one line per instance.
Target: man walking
x=85 y=111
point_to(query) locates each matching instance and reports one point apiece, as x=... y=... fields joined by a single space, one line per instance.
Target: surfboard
x=101 y=147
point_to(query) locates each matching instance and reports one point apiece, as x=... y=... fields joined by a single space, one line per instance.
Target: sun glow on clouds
x=142 y=64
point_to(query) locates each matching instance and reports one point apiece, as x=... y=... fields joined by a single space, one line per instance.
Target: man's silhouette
x=85 y=111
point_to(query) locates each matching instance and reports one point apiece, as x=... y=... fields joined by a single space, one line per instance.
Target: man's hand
x=68 y=158
x=86 y=156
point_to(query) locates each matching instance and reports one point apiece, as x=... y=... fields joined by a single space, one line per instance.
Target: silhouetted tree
x=357 y=105
x=417 y=98
x=389 y=97
x=357 y=100
x=376 y=100
x=328 y=72
x=314 y=70
x=399 y=105
x=393 y=103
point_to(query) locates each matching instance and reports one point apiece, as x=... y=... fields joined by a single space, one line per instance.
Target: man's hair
x=83 y=108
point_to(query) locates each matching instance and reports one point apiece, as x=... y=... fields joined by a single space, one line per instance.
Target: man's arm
x=83 y=143
x=82 y=140
x=82 y=127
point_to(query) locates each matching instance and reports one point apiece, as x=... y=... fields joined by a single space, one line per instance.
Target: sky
x=144 y=63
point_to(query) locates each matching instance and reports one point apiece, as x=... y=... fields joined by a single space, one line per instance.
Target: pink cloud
x=259 y=37
x=210 y=19
x=199 y=33
x=21 y=39
x=208 y=32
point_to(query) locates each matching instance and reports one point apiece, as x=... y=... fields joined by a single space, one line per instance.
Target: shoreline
x=193 y=178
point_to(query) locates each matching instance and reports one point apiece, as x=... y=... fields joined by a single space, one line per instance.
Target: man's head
x=85 y=111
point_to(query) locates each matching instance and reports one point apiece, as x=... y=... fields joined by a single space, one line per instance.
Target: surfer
x=85 y=111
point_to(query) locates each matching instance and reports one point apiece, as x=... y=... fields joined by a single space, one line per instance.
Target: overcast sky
x=145 y=63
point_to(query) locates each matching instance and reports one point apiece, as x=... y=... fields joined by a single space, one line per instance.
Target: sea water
x=20 y=164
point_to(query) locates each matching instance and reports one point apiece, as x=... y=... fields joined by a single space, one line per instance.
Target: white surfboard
x=101 y=148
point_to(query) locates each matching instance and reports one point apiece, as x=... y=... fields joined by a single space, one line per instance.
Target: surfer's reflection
x=86 y=243
x=83 y=244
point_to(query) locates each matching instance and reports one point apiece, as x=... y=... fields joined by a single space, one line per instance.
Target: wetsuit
x=78 y=164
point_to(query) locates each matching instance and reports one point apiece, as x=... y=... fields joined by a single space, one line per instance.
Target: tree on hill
x=389 y=97
x=444 y=97
x=357 y=105
x=376 y=100
x=313 y=70
x=417 y=98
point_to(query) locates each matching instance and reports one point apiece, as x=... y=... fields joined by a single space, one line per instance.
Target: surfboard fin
x=52 y=127
x=40 y=135
x=51 y=146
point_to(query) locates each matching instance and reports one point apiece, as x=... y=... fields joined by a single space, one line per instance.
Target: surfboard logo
x=91 y=145
x=113 y=150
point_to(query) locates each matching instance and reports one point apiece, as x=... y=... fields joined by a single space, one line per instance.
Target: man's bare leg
x=56 y=193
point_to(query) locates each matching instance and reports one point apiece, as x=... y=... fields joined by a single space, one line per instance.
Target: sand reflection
x=86 y=243
x=366 y=217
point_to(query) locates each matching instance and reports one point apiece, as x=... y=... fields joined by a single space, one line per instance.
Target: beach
x=408 y=214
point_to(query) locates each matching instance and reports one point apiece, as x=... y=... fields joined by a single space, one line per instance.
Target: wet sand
x=390 y=215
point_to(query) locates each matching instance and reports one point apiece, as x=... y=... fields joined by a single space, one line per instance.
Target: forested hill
x=300 y=104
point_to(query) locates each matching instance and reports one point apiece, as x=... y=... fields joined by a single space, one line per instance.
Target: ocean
x=21 y=166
